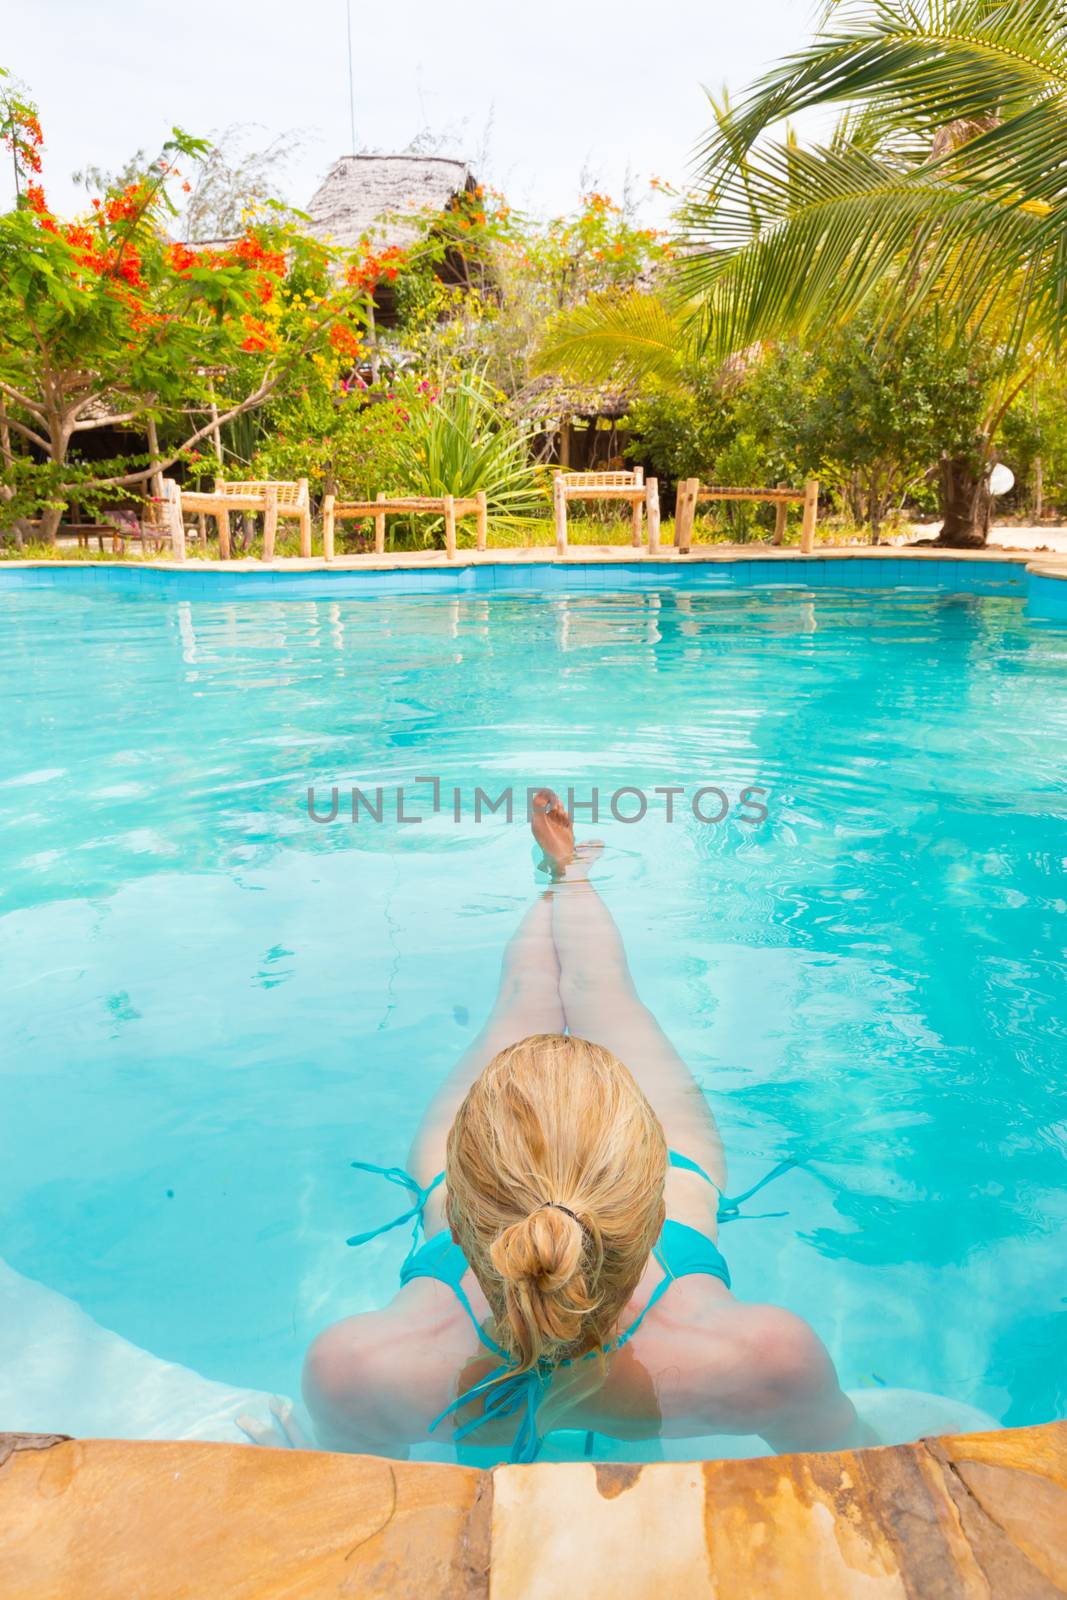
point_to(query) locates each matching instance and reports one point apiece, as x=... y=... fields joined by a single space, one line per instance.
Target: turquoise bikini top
x=680 y=1250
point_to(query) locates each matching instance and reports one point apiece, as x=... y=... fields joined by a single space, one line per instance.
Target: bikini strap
x=502 y=1394
x=404 y=1179
x=730 y=1209
x=730 y=1206
x=686 y=1164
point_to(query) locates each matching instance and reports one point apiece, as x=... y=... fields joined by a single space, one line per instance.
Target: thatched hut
x=388 y=200
x=578 y=424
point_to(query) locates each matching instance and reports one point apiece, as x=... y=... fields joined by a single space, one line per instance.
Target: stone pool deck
x=1054 y=557
x=979 y=1515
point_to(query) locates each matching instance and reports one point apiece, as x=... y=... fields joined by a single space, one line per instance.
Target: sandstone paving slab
x=948 y=1518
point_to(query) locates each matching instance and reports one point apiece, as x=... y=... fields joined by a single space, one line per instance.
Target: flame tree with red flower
x=106 y=321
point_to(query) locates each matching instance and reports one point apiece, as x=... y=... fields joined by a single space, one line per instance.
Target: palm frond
x=947 y=177
x=930 y=64
x=624 y=339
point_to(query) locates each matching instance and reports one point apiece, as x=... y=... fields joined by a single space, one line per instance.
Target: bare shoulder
x=755 y=1369
x=374 y=1381
x=781 y=1354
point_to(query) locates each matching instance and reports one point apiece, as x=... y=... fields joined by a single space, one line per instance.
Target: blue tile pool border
x=1045 y=591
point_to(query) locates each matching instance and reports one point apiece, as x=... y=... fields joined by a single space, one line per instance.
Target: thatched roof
x=554 y=400
x=376 y=195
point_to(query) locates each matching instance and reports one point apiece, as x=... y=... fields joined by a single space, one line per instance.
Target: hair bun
x=543 y=1250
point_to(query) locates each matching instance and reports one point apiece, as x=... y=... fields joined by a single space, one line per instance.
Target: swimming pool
x=213 y=1002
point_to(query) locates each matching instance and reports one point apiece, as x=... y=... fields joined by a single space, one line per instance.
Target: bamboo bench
x=276 y=499
x=630 y=486
x=691 y=491
x=451 y=507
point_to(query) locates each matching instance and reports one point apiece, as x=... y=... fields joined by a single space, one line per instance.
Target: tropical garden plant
x=941 y=186
x=460 y=441
x=106 y=322
x=512 y=275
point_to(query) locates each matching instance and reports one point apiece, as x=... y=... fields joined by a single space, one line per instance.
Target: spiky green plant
x=460 y=441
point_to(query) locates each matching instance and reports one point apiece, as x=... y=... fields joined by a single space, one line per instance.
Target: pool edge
x=1039 y=579
x=958 y=1514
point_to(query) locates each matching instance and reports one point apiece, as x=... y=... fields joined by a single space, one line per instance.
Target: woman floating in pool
x=569 y=1176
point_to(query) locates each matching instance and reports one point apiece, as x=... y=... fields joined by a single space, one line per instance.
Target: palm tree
x=944 y=183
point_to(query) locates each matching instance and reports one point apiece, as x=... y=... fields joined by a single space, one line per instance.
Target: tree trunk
x=52 y=516
x=855 y=497
x=48 y=526
x=875 y=506
x=966 y=504
x=6 y=455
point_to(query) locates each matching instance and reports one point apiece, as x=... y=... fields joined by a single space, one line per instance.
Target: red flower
x=128 y=266
x=128 y=205
x=344 y=341
x=367 y=272
x=181 y=258
x=252 y=252
x=255 y=334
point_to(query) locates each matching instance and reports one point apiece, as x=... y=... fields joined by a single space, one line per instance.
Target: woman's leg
x=600 y=1003
x=527 y=1002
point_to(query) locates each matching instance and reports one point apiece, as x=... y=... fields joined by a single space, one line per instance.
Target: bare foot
x=553 y=830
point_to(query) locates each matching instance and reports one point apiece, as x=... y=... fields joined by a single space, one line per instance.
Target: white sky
x=548 y=98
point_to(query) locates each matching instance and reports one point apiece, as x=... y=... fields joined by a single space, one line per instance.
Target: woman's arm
x=349 y=1389
x=376 y=1381
x=759 y=1369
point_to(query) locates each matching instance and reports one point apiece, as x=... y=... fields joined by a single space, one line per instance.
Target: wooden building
x=389 y=200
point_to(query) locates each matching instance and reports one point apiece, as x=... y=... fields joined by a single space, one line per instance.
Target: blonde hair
x=555 y=1170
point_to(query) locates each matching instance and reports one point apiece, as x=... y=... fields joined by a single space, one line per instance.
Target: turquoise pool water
x=211 y=1003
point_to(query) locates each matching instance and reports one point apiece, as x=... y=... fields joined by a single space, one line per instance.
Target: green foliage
x=868 y=416
x=943 y=184
x=232 y=178
x=523 y=274
x=621 y=338
x=409 y=438
x=1036 y=427
x=460 y=441
x=30 y=486
x=680 y=432
x=742 y=461
x=344 y=441
x=105 y=320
